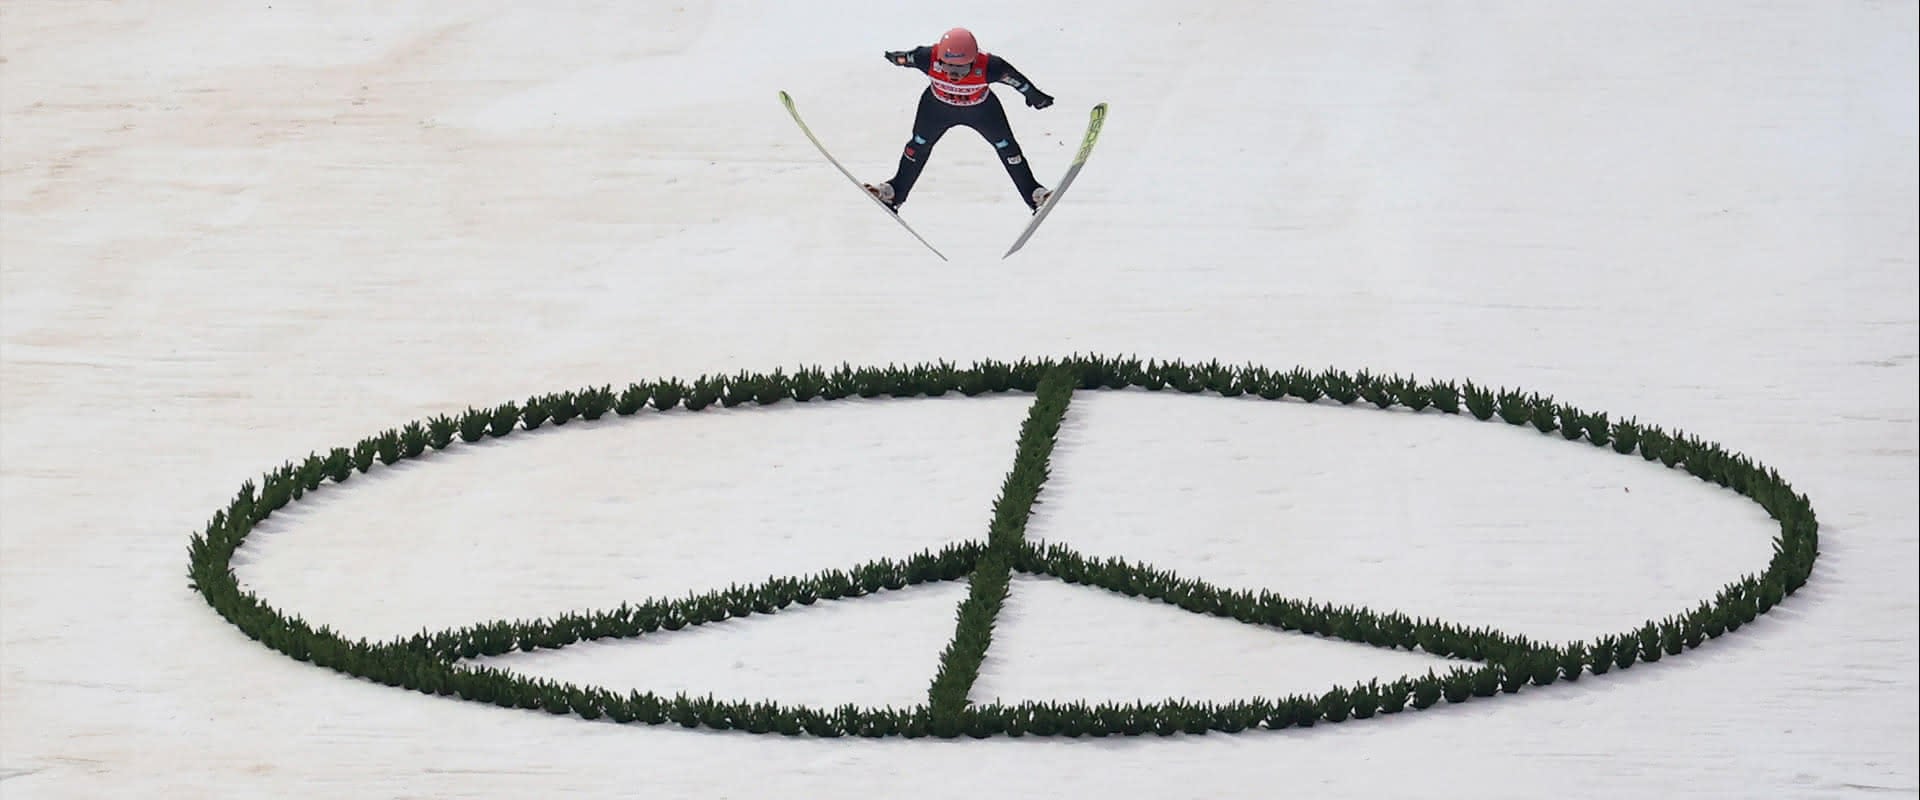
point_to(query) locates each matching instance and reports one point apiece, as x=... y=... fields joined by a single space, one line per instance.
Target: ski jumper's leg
x=991 y=122
x=930 y=123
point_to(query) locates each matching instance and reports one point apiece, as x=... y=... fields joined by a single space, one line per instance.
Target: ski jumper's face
x=955 y=70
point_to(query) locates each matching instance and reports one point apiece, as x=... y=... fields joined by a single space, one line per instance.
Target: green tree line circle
x=1489 y=663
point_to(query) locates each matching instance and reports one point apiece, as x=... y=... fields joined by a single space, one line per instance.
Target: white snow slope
x=235 y=233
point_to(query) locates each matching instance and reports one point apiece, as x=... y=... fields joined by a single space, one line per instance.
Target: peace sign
x=1491 y=662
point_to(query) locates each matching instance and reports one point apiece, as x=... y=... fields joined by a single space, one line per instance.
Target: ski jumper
x=969 y=101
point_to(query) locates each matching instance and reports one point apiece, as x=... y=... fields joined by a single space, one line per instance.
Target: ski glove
x=1038 y=99
x=899 y=57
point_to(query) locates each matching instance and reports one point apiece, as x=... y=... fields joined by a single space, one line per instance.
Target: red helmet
x=956 y=47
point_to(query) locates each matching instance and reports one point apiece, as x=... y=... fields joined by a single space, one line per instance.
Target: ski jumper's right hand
x=900 y=58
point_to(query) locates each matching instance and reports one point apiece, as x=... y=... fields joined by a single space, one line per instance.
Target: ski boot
x=883 y=192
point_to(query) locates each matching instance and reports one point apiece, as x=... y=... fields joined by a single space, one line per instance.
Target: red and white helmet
x=956 y=50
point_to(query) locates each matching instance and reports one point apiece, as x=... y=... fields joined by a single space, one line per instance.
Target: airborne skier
x=959 y=76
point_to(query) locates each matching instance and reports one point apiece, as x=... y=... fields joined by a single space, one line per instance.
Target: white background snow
x=235 y=233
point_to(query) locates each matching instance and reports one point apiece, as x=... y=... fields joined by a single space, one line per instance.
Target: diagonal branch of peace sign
x=1490 y=663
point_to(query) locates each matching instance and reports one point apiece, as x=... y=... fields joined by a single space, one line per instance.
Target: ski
x=788 y=102
x=1095 y=119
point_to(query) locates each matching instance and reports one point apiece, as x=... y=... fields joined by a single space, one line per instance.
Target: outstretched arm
x=918 y=58
x=999 y=71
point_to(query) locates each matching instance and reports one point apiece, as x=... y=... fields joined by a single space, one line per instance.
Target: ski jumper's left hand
x=999 y=71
